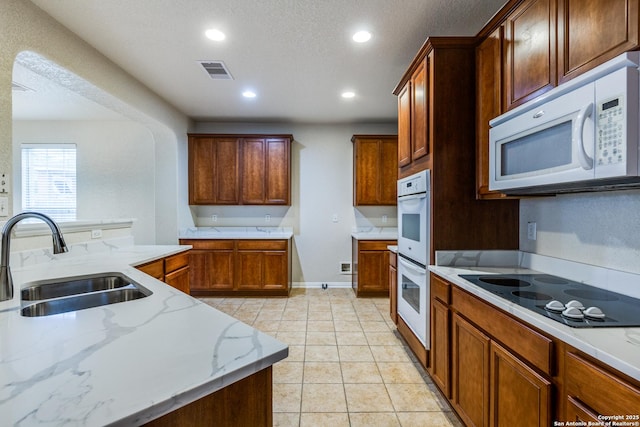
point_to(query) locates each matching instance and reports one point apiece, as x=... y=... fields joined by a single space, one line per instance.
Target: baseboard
x=318 y=285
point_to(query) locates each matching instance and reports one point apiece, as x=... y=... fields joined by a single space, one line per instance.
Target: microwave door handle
x=585 y=161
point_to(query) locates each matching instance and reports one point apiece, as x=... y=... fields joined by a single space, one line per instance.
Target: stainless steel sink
x=74 y=285
x=78 y=293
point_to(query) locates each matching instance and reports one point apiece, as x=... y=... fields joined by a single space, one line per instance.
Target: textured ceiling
x=297 y=55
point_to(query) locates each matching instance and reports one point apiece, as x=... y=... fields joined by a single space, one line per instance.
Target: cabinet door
x=249 y=270
x=372 y=271
x=211 y=270
x=488 y=105
x=470 y=372
x=591 y=32
x=367 y=171
x=530 y=51
x=519 y=396
x=420 y=110
x=388 y=172
x=253 y=171
x=179 y=279
x=275 y=270
x=213 y=171
x=404 y=126
x=439 y=352
x=278 y=168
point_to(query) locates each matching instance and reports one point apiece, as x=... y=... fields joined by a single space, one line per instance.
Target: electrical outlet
x=96 y=234
x=531 y=231
x=214 y=218
x=267 y=218
x=334 y=217
x=384 y=219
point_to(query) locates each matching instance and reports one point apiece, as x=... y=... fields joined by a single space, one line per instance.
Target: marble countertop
x=120 y=364
x=236 y=233
x=616 y=347
x=375 y=233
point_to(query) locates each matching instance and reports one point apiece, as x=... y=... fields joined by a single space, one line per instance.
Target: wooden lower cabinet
x=592 y=390
x=470 y=377
x=240 y=267
x=247 y=402
x=503 y=372
x=371 y=267
x=518 y=395
x=173 y=270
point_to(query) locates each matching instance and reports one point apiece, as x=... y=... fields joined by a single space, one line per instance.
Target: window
x=49 y=180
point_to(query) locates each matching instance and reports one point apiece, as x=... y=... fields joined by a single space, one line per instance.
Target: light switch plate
x=531 y=231
x=4 y=183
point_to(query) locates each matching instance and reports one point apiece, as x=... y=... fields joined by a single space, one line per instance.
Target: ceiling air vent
x=216 y=70
x=20 y=88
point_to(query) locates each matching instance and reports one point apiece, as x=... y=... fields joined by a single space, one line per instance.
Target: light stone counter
x=616 y=347
x=375 y=233
x=119 y=364
x=236 y=233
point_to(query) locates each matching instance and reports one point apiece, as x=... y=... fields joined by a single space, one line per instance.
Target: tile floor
x=347 y=365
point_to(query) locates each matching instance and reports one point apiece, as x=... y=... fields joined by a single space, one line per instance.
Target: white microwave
x=580 y=136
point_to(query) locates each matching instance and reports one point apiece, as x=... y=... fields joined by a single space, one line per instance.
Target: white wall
x=115 y=168
x=322 y=185
x=595 y=228
x=24 y=27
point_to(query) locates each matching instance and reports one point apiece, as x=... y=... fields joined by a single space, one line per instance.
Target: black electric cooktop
x=571 y=303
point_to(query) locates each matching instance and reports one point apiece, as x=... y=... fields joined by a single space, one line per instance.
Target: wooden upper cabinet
x=530 y=51
x=489 y=73
x=239 y=170
x=404 y=126
x=375 y=169
x=420 y=110
x=213 y=171
x=591 y=32
x=413 y=116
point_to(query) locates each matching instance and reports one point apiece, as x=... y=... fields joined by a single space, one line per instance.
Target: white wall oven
x=413 y=250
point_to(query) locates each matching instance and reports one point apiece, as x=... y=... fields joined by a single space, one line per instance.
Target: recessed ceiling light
x=215 y=35
x=348 y=94
x=362 y=36
x=249 y=94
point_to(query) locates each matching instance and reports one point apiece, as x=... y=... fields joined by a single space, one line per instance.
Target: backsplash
x=601 y=229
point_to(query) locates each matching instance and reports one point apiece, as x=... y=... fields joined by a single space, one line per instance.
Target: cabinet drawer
x=599 y=389
x=175 y=262
x=529 y=344
x=153 y=268
x=208 y=244
x=440 y=289
x=375 y=245
x=262 y=245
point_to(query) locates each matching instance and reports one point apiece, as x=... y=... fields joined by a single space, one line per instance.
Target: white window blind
x=49 y=180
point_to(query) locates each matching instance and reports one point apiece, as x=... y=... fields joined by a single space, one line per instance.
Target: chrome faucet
x=6 y=282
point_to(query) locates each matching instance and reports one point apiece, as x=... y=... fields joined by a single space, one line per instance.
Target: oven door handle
x=412 y=196
x=415 y=269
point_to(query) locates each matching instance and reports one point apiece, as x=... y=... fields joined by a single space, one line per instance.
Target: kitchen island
x=127 y=363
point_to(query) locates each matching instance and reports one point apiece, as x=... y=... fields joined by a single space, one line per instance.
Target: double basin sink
x=68 y=294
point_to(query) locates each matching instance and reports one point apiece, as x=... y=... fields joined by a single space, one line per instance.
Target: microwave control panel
x=611 y=130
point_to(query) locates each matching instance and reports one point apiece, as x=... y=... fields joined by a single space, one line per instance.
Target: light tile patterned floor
x=347 y=365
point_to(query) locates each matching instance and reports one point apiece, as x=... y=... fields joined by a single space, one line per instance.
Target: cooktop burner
x=572 y=303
